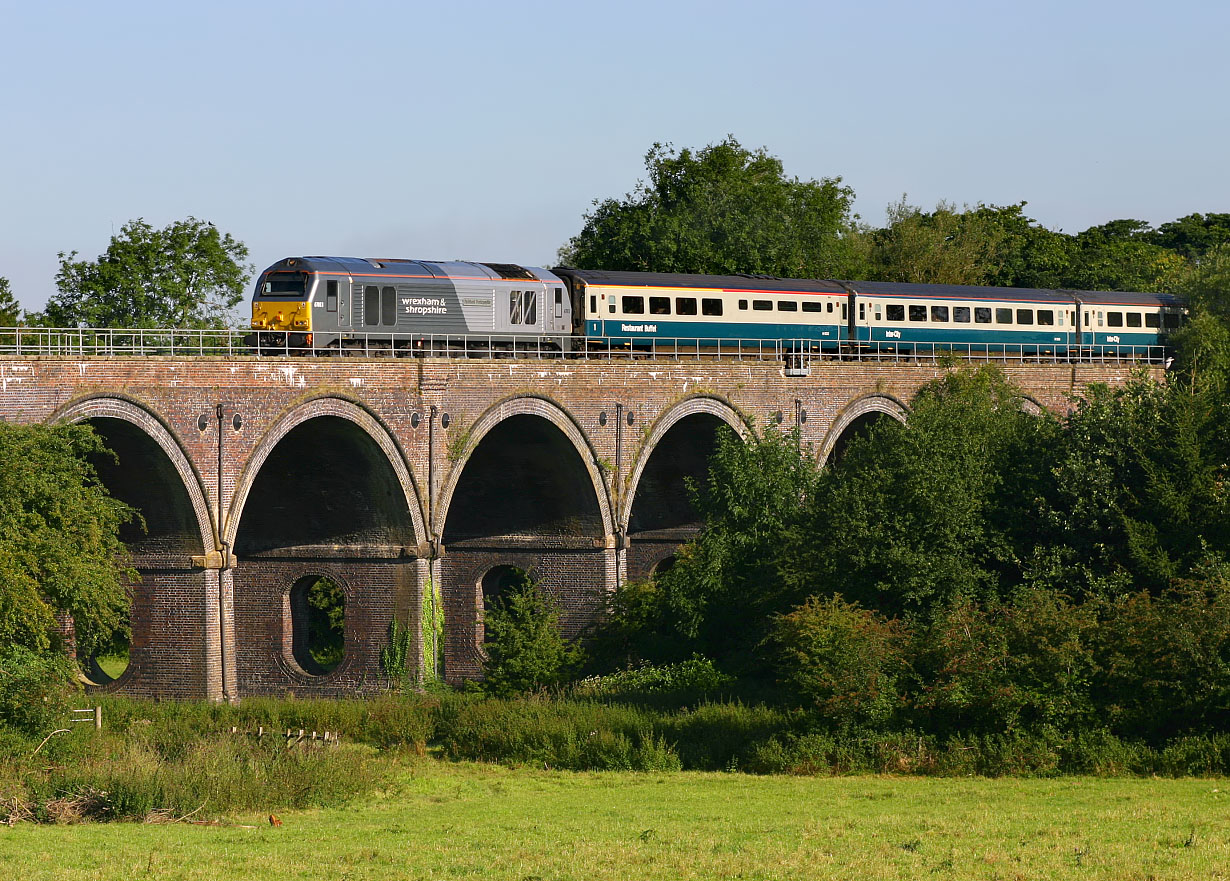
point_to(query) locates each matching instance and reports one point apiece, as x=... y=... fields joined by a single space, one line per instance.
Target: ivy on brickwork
x=432 y=619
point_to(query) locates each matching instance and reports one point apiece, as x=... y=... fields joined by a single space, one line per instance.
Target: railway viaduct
x=413 y=483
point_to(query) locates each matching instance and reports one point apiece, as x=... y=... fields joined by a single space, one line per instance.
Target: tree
x=59 y=540
x=941 y=247
x=1195 y=235
x=525 y=649
x=721 y=210
x=10 y=309
x=1122 y=256
x=187 y=274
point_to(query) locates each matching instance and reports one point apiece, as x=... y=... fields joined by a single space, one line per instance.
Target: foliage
x=916 y=514
x=696 y=675
x=326 y=615
x=722 y=209
x=843 y=660
x=525 y=649
x=940 y=247
x=1195 y=235
x=719 y=595
x=395 y=658
x=431 y=629
x=187 y=274
x=10 y=309
x=59 y=542
x=35 y=690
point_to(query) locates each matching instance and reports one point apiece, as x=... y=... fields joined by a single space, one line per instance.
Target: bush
x=841 y=659
x=525 y=649
x=695 y=676
x=35 y=690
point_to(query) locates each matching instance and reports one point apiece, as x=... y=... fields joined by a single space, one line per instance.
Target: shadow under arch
x=491 y=422
x=316 y=408
x=856 y=418
x=711 y=412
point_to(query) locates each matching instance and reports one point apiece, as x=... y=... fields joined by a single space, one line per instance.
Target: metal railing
x=797 y=354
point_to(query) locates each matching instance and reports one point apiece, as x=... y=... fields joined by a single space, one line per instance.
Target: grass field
x=446 y=820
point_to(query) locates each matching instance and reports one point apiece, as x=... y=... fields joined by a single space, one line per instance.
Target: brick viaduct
x=405 y=480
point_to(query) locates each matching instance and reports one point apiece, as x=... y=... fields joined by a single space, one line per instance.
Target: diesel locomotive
x=396 y=306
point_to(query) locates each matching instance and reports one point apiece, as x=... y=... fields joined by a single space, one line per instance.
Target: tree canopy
x=59 y=544
x=719 y=210
x=10 y=309
x=187 y=274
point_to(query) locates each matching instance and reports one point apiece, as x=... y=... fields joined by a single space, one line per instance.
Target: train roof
x=397 y=266
x=768 y=283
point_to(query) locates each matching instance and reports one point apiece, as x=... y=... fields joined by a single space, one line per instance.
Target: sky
x=485 y=130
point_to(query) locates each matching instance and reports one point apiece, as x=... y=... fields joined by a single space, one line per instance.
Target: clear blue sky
x=483 y=131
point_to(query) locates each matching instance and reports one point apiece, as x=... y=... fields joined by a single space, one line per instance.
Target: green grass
x=113 y=665
x=444 y=820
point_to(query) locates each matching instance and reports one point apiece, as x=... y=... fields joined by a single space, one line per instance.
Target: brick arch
x=135 y=413
x=525 y=405
x=705 y=404
x=1030 y=405
x=342 y=408
x=859 y=409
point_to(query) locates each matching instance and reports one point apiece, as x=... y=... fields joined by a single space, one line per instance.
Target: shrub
x=35 y=690
x=525 y=649
x=841 y=659
x=695 y=676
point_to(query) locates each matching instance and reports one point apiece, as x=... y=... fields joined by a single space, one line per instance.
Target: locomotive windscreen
x=285 y=284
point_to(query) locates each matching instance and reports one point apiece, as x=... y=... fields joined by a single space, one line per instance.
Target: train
x=341 y=305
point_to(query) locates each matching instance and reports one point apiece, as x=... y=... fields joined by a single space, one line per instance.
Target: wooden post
x=98 y=718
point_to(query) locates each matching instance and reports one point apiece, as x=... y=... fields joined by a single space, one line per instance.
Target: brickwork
x=214 y=627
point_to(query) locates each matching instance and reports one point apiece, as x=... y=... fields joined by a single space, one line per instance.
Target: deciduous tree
x=187 y=274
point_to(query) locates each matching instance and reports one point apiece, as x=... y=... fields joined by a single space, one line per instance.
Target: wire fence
x=798 y=355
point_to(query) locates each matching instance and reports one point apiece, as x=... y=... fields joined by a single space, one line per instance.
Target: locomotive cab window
x=918 y=313
x=331 y=296
x=285 y=284
x=634 y=305
x=659 y=305
x=711 y=306
x=685 y=305
x=982 y=315
x=1133 y=319
x=1003 y=316
x=960 y=314
x=894 y=312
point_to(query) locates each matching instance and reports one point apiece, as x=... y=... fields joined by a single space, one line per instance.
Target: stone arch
x=856 y=417
x=133 y=413
x=701 y=405
x=339 y=408
x=499 y=413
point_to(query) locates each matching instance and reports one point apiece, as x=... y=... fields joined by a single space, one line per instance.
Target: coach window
x=939 y=313
x=1171 y=320
x=812 y=306
x=1024 y=316
x=918 y=313
x=634 y=305
x=830 y=309
x=1003 y=316
x=762 y=305
x=710 y=306
x=685 y=305
x=1133 y=319
x=1046 y=316
x=862 y=311
x=845 y=311
x=1153 y=319
x=659 y=305
x=743 y=304
x=331 y=296
x=894 y=312
x=529 y=309
x=611 y=307
x=1114 y=319
x=960 y=314
x=1099 y=319
x=982 y=315
x=371 y=305
x=787 y=306
x=593 y=304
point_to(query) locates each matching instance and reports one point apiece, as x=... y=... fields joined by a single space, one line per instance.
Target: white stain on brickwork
x=7 y=377
x=356 y=382
x=288 y=376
